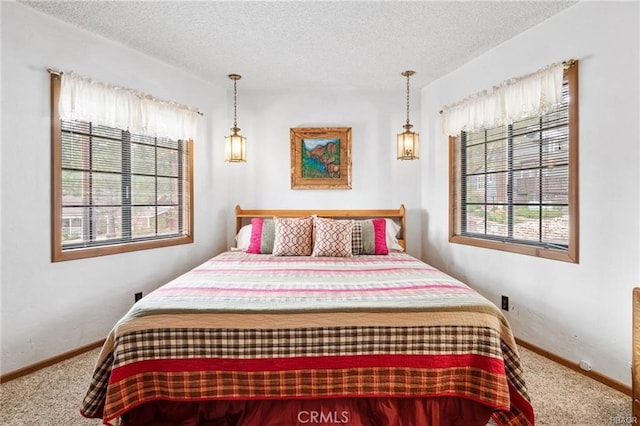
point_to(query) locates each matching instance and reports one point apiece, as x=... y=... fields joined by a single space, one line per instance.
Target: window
x=515 y=187
x=114 y=191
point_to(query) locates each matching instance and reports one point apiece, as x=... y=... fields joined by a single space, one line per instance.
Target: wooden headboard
x=243 y=216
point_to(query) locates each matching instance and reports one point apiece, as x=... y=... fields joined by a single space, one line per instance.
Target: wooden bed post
x=403 y=224
x=238 y=218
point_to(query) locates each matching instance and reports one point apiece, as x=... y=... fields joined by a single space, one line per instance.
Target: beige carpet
x=560 y=396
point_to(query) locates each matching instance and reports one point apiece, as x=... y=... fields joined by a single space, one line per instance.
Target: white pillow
x=243 y=238
x=392 y=229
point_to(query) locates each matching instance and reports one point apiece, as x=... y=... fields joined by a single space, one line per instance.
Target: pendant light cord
x=235 y=96
x=408 y=75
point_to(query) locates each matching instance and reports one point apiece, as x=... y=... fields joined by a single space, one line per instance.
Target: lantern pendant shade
x=235 y=148
x=235 y=145
x=408 y=145
x=408 y=141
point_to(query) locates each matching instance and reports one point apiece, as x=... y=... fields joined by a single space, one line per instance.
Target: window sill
x=83 y=253
x=570 y=255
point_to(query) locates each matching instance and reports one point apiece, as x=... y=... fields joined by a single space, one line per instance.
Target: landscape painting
x=321 y=158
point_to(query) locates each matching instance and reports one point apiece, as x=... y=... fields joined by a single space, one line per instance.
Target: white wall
x=379 y=180
x=577 y=311
x=50 y=308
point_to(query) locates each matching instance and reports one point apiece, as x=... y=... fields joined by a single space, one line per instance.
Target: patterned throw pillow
x=332 y=237
x=262 y=236
x=293 y=236
x=369 y=237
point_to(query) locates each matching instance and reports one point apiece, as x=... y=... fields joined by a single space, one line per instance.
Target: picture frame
x=320 y=157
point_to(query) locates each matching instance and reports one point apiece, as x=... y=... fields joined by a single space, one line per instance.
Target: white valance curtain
x=105 y=104
x=512 y=100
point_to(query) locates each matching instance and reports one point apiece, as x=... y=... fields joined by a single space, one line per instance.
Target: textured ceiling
x=308 y=44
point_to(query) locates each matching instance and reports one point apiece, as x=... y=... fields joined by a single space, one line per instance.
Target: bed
x=354 y=332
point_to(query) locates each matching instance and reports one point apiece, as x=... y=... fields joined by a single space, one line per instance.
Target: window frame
x=571 y=254
x=57 y=252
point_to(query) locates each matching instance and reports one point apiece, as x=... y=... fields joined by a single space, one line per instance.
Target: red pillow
x=380 y=236
x=262 y=236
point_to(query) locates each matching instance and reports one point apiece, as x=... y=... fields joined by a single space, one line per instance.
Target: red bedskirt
x=444 y=411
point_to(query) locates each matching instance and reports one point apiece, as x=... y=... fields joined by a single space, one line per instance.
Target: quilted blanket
x=250 y=326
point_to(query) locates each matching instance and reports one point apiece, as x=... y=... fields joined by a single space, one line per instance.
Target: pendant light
x=235 y=144
x=408 y=141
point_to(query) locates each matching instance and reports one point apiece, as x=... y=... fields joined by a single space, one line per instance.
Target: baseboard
x=619 y=386
x=49 y=362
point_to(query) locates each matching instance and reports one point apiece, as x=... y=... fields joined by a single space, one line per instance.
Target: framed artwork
x=320 y=158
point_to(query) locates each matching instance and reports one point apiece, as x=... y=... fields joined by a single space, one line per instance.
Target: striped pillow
x=369 y=237
x=293 y=236
x=262 y=236
x=332 y=237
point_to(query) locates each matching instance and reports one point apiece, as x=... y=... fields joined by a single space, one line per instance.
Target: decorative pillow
x=293 y=236
x=243 y=238
x=262 y=236
x=332 y=237
x=369 y=237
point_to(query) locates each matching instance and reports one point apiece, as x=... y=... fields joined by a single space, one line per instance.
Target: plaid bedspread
x=248 y=326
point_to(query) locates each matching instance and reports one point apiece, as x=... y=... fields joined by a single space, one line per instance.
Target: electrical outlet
x=505 y=303
x=137 y=297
